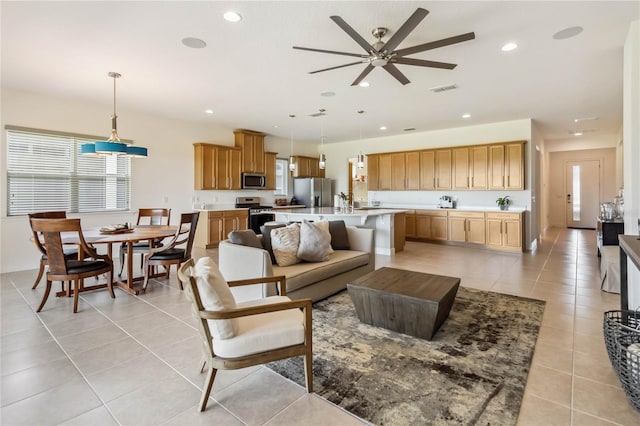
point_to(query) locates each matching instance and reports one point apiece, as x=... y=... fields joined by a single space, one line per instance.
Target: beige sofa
x=315 y=280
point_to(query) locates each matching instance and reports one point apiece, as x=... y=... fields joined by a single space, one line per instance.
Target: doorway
x=582 y=193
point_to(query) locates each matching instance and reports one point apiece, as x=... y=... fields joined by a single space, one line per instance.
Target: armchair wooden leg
x=40 y=274
x=121 y=261
x=45 y=297
x=146 y=275
x=208 y=385
x=76 y=285
x=110 y=284
x=308 y=370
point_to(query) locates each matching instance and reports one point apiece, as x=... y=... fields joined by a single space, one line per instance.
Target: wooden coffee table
x=409 y=302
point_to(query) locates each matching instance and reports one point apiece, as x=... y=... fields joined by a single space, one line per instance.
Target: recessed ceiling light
x=208 y=111
x=194 y=43
x=327 y=94
x=364 y=84
x=567 y=33
x=466 y=115
x=383 y=127
x=275 y=126
x=508 y=47
x=577 y=133
x=232 y=16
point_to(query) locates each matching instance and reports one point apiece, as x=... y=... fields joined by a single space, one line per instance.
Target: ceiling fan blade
x=435 y=44
x=423 y=63
x=409 y=25
x=333 y=68
x=362 y=75
x=330 y=51
x=352 y=33
x=391 y=69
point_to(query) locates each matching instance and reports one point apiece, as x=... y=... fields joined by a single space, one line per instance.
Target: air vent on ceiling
x=444 y=88
x=409 y=129
x=320 y=113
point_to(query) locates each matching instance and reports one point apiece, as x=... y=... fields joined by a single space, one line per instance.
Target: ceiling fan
x=381 y=54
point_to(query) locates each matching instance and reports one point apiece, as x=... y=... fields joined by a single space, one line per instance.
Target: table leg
x=624 y=291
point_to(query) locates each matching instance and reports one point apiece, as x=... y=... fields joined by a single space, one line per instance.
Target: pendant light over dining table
x=360 y=163
x=322 y=160
x=113 y=145
x=292 y=160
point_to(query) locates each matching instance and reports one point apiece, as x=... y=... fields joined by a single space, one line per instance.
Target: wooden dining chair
x=170 y=254
x=233 y=335
x=157 y=216
x=61 y=268
x=69 y=253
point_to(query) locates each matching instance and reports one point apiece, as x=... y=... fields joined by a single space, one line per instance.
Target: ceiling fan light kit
x=383 y=54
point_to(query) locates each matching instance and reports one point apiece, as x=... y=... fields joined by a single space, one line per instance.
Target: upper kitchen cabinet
x=412 y=170
x=460 y=168
x=435 y=169
x=506 y=166
x=470 y=167
x=270 y=169
x=252 y=145
x=307 y=167
x=216 y=166
x=373 y=178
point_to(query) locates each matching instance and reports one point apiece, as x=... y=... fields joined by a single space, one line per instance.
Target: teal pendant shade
x=114 y=148
x=88 y=149
x=136 y=151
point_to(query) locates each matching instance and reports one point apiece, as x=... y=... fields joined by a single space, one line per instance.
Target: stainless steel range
x=258 y=213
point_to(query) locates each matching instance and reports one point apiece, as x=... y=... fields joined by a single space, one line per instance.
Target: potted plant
x=503 y=202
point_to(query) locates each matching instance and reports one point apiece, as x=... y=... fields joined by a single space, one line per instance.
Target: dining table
x=129 y=236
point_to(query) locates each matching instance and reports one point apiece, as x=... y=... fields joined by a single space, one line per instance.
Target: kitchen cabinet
x=216 y=166
x=397 y=171
x=252 y=145
x=506 y=166
x=270 y=169
x=504 y=231
x=467 y=227
x=384 y=171
x=373 y=178
x=307 y=167
x=410 y=223
x=478 y=167
x=435 y=169
x=214 y=226
x=412 y=170
x=431 y=224
x=460 y=175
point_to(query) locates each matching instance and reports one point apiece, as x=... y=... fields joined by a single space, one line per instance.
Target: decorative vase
x=504 y=206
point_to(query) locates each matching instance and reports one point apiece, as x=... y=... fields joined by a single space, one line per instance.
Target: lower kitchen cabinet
x=504 y=231
x=431 y=224
x=467 y=227
x=399 y=229
x=214 y=226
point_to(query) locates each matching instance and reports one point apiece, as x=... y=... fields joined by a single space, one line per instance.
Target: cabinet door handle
x=434 y=182
x=472 y=181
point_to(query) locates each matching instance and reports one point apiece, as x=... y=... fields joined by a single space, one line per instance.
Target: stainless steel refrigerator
x=313 y=192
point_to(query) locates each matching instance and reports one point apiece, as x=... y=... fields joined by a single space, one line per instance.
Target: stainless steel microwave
x=254 y=181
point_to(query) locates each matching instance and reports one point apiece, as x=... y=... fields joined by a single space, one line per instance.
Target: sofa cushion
x=216 y=296
x=266 y=238
x=262 y=332
x=245 y=237
x=303 y=274
x=285 y=242
x=339 y=235
x=315 y=241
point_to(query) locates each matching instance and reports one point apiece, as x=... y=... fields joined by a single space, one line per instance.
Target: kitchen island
x=387 y=223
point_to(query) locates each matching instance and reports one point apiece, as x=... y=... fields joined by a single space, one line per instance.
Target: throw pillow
x=339 y=235
x=315 y=241
x=216 y=296
x=285 y=242
x=245 y=238
x=266 y=238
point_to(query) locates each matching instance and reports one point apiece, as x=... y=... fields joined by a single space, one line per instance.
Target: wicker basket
x=621 y=329
x=629 y=367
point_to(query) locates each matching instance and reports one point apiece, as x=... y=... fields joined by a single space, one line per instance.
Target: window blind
x=47 y=172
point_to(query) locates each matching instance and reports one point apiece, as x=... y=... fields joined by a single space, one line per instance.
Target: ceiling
x=250 y=76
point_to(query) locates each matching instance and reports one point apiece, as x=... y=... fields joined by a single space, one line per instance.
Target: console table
x=608 y=231
x=629 y=249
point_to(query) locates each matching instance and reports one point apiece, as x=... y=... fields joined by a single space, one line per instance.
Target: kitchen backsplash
x=464 y=198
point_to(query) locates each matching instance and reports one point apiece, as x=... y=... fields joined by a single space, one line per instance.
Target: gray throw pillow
x=339 y=235
x=315 y=241
x=245 y=238
x=266 y=239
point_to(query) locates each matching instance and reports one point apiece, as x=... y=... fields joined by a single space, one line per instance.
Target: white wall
x=631 y=139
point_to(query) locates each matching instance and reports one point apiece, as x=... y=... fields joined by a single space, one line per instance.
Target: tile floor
x=134 y=360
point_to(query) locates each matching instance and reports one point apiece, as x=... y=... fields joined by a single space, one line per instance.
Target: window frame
x=37 y=158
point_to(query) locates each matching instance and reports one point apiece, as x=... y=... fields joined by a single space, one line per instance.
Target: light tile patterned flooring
x=134 y=360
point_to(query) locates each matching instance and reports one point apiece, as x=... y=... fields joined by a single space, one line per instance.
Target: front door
x=582 y=193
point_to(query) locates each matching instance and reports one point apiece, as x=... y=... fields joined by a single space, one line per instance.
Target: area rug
x=473 y=371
